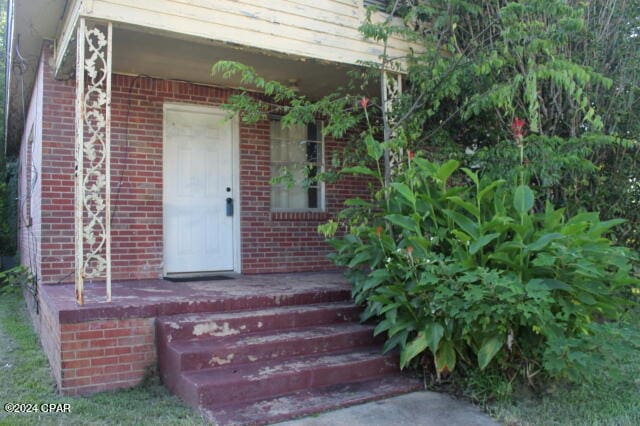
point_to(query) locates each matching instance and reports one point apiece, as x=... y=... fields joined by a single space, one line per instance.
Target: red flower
x=517 y=127
x=411 y=155
x=379 y=231
x=409 y=250
x=364 y=102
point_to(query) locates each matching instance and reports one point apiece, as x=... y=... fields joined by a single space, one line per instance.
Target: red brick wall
x=94 y=356
x=105 y=354
x=270 y=242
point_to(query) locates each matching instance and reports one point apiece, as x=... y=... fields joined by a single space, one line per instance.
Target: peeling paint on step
x=221 y=361
x=252 y=358
x=213 y=329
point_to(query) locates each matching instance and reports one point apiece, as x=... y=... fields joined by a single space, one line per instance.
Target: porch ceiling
x=166 y=56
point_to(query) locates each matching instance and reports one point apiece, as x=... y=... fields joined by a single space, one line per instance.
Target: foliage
x=12 y=280
x=472 y=273
x=497 y=264
x=8 y=210
x=608 y=400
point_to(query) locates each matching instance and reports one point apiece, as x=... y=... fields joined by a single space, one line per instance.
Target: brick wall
x=105 y=354
x=94 y=356
x=271 y=242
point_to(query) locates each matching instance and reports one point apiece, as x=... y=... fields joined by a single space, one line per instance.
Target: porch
x=158 y=297
x=109 y=345
x=244 y=349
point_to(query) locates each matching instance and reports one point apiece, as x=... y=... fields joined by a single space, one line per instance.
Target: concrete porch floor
x=152 y=298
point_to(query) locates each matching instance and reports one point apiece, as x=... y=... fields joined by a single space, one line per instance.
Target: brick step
x=206 y=325
x=187 y=355
x=311 y=401
x=251 y=382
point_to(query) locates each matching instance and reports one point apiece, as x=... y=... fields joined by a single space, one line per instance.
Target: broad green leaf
x=405 y=191
x=359 y=170
x=478 y=244
x=359 y=259
x=463 y=222
x=374 y=148
x=461 y=236
x=493 y=185
x=472 y=175
x=398 y=339
x=415 y=347
x=447 y=169
x=402 y=221
x=382 y=327
x=586 y=298
x=488 y=350
x=543 y=241
x=445 y=357
x=376 y=278
x=523 y=199
x=434 y=333
x=465 y=205
x=603 y=227
x=549 y=284
x=357 y=202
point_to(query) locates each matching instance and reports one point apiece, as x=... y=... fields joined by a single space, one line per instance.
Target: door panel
x=198 y=170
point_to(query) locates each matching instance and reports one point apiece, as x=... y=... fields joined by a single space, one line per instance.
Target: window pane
x=296 y=153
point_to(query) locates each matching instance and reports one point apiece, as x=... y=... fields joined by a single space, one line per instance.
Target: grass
x=25 y=377
x=609 y=400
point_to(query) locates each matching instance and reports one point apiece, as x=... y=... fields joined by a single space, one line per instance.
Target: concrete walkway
x=414 y=409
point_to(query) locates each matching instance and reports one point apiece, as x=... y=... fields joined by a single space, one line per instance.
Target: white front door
x=198 y=179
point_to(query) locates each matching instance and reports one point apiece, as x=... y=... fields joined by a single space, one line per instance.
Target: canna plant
x=467 y=271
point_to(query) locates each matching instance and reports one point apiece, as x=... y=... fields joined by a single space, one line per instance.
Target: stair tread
x=311 y=401
x=263 y=370
x=269 y=336
x=176 y=320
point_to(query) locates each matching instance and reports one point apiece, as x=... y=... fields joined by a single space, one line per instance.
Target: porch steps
x=263 y=365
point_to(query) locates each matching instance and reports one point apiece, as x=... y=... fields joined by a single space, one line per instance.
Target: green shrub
x=8 y=210
x=469 y=272
x=12 y=280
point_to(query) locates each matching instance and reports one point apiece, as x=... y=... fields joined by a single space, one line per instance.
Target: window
x=378 y=4
x=386 y=5
x=296 y=158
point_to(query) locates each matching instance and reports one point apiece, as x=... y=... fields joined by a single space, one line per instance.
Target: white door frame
x=235 y=191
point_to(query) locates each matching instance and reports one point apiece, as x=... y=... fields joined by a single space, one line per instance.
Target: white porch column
x=391 y=88
x=93 y=156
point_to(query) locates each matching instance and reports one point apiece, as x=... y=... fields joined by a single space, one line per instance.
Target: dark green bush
x=8 y=210
x=465 y=270
x=12 y=280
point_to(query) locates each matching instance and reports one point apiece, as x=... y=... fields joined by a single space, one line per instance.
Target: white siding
x=321 y=29
x=29 y=237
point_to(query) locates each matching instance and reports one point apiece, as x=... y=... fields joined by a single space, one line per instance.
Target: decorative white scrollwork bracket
x=93 y=157
x=391 y=89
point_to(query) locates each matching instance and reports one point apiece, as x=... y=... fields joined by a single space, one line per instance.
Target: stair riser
x=170 y=331
x=292 y=381
x=300 y=405
x=242 y=354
